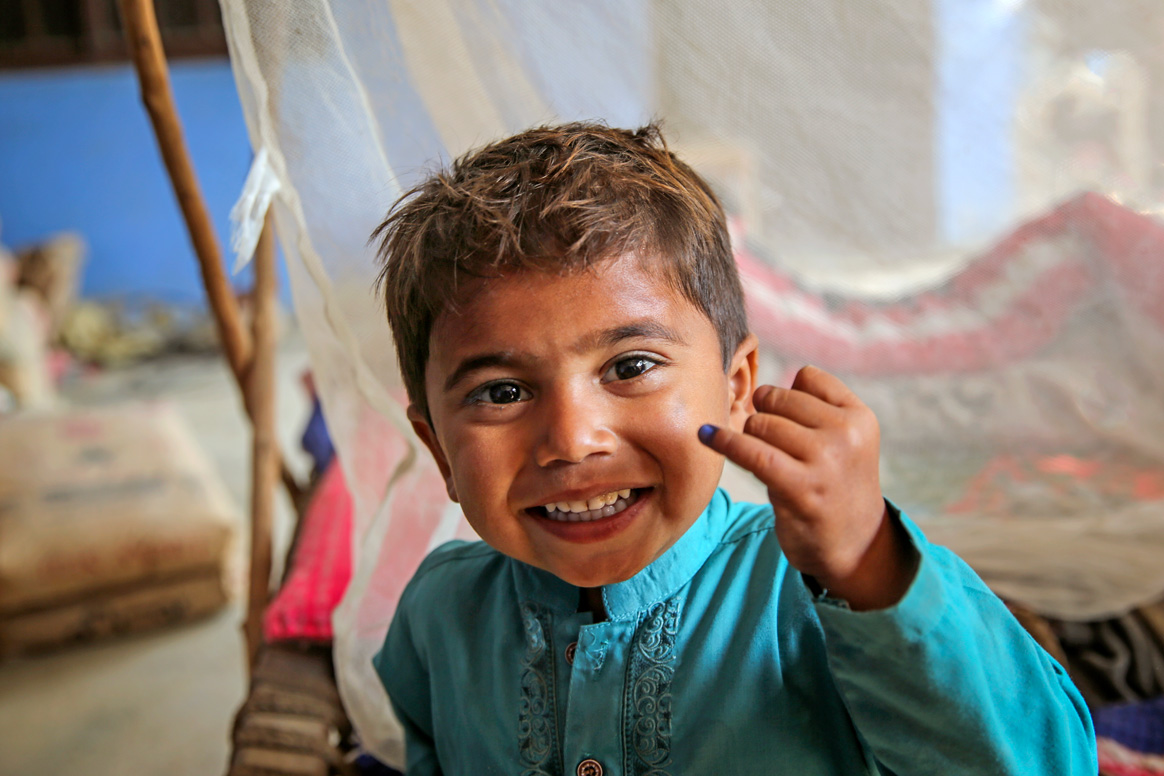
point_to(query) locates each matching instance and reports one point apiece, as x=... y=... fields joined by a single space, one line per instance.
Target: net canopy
x=950 y=204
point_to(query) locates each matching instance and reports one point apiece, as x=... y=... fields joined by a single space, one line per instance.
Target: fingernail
x=707 y=433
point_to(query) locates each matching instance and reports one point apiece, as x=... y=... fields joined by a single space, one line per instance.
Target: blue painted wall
x=77 y=152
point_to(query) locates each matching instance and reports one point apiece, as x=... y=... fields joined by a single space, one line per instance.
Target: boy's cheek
x=676 y=430
x=705 y=397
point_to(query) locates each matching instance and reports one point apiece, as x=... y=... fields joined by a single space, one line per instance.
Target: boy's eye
x=629 y=368
x=499 y=393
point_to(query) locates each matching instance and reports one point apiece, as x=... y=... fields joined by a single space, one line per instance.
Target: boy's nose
x=572 y=430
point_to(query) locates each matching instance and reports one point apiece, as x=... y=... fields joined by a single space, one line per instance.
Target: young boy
x=571 y=331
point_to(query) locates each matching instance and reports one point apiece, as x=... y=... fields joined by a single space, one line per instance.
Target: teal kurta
x=717 y=659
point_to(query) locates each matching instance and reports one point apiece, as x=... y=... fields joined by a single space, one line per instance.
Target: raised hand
x=816 y=446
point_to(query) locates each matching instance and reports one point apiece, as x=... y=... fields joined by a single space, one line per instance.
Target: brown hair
x=554 y=199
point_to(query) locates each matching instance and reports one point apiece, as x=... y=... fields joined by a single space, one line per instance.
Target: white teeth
x=598 y=502
x=591 y=509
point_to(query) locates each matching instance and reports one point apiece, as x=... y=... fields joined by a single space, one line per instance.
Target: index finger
x=769 y=463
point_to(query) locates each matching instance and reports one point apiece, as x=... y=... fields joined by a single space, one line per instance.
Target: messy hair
x=553 y=199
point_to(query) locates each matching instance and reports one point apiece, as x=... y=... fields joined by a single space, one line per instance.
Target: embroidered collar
x=657 y=582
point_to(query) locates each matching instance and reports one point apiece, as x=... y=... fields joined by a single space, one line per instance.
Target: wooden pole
x=145 y=44
x=149 y=59
x=260 y=388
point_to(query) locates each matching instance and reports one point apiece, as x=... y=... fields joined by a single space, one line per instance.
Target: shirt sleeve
x=405 y=678
x=947 y=681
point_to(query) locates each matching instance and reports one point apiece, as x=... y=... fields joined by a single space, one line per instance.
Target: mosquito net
x=947 y=203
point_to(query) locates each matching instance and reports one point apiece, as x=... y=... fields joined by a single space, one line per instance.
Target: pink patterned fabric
x=1031 y=281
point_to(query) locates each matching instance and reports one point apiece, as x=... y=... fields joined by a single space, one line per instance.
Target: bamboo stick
x=145 y=45
x=260 y=388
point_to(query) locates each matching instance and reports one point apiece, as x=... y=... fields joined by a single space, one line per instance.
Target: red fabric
x=321 y=568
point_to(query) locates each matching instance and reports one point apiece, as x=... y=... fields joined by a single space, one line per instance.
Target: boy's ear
x=425 y=431
x=742 y=375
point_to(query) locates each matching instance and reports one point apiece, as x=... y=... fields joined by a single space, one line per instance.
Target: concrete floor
x=160 y=703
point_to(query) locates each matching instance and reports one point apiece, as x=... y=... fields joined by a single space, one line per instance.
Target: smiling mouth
x=593 y=509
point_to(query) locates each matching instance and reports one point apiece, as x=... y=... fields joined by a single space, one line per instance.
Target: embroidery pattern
x=536 y=725
x=649 y=672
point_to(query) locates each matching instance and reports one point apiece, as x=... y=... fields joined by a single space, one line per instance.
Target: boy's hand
x=816 y=447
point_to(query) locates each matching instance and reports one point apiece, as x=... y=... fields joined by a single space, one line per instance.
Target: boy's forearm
x=946 y=681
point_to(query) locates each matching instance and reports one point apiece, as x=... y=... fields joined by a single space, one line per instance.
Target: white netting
x=906 y=182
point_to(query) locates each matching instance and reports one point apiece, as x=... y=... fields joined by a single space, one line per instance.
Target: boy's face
x=549 y=393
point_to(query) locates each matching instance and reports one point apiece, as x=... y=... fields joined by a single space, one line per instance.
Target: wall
x=77 y=152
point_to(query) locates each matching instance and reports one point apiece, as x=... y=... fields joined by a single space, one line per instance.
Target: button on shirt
x=717 y=659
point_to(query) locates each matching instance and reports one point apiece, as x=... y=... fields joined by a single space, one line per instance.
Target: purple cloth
x=1138 y=726
x=317 y=440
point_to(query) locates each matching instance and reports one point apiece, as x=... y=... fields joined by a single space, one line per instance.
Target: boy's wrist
x=882 y=575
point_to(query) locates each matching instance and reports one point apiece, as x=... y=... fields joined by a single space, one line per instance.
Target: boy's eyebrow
x=647 y=329
x=483 y=361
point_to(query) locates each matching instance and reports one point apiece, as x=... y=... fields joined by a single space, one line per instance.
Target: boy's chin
x=596 y=577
